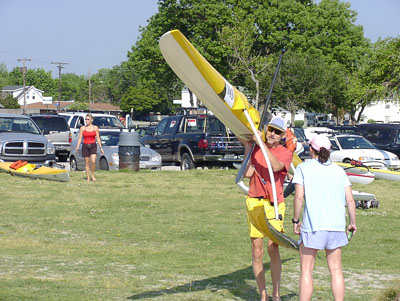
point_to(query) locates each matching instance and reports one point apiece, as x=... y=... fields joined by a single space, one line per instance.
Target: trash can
x=129 y=151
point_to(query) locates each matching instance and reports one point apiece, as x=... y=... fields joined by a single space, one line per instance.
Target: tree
x=324 y=30
x=9 y=102
x=140 y=100
x=383 y=66
x=15 y=77
x=239 y=40
x=301 y=83
x=3 y=75
x=79 y=106
x=38 y=78
x=74 y=87
x=42 y=80
x=377 y=78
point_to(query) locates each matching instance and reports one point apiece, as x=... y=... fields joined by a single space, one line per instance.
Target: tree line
x=328 y=65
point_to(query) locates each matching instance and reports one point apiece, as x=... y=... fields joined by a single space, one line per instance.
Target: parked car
x=149 y=159
x=385 y=136
x=343 y=129
x=301 y=138
x=346 y=148
x=195 y=140
x=103 y=121
x=145 y=130
x=57 y=131
x=21 y=139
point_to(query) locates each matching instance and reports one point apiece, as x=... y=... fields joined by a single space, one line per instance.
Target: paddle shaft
x=263 y=117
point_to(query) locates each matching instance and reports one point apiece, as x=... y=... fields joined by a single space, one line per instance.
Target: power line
x=60 y=65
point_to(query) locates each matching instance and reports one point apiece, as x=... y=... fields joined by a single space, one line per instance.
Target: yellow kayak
x=383 y=174
x=36 y=171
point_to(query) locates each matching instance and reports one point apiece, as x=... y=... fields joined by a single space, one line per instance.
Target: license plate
x=142 y=166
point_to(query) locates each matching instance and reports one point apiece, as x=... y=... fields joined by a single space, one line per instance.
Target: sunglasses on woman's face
x=274 y=130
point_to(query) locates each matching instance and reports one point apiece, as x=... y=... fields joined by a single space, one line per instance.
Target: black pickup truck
x=194 y=140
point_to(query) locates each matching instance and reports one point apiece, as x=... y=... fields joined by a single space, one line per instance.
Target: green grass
x=167 y=236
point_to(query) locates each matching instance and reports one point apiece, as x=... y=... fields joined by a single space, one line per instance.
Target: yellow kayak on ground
x=36 y=171
x=383 y=174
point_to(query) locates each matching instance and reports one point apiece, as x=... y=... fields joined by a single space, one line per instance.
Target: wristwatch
x=295 y=221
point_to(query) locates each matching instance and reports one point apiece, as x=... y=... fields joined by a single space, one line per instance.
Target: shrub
x=299 y=123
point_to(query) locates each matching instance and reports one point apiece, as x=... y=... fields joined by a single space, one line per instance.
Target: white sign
x=47 y=100
x=192 y=122
x=229 y=94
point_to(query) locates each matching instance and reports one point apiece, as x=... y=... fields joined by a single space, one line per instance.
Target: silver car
x=21 y=139
x=149 y=159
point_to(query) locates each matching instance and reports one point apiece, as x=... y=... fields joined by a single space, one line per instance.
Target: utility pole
x=59 y=66
x=90 y=91
x=24 y=60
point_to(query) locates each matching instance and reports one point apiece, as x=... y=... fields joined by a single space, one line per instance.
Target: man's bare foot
x=88 y=179
x=93 y=179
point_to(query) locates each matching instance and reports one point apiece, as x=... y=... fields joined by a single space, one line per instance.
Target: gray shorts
x=322 y=240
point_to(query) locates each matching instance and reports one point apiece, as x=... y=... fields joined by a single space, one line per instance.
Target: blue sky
x=95 y=34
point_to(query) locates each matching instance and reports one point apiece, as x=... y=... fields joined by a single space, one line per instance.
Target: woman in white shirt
x=326 y=189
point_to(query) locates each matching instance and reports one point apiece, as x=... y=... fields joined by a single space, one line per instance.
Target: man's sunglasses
x=276 y=131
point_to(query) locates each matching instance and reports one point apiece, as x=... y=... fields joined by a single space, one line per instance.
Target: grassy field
x=167 y=235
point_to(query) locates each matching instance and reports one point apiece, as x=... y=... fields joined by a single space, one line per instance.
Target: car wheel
x=104 y=164
x=187 y=162
x=346 y=160
x=73 y=164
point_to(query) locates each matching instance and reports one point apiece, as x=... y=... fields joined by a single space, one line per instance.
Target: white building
x=33 y=94
x=382 y=111
x=185 y=101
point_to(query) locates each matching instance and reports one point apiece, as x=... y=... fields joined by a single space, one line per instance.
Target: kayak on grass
x=35 y=171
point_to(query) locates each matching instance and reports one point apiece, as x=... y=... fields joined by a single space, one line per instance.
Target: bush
x=371 y=121
x=78 y=106
x=299 y=123
x=9 y=102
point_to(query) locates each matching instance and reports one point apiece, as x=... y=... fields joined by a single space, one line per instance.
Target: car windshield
x=20 y=125
x=52 y=123
x=355 y=143
x=379 y=135
x=107 y=122
x=66 y=117
x=109 y=139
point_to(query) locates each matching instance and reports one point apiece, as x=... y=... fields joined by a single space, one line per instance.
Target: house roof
x=12 y=88
x=65 y=104
x=40 y=105
x=98 y=106
x=21 y=89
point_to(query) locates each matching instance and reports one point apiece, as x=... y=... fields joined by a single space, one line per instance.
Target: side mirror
x=46 y=131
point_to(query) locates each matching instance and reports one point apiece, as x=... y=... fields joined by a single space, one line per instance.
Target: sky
x=95 y=34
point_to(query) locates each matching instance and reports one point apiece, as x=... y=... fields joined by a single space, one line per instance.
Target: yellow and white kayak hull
x=37 y=172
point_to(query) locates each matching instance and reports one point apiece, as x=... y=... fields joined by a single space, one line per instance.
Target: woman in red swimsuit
x=90 y=134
